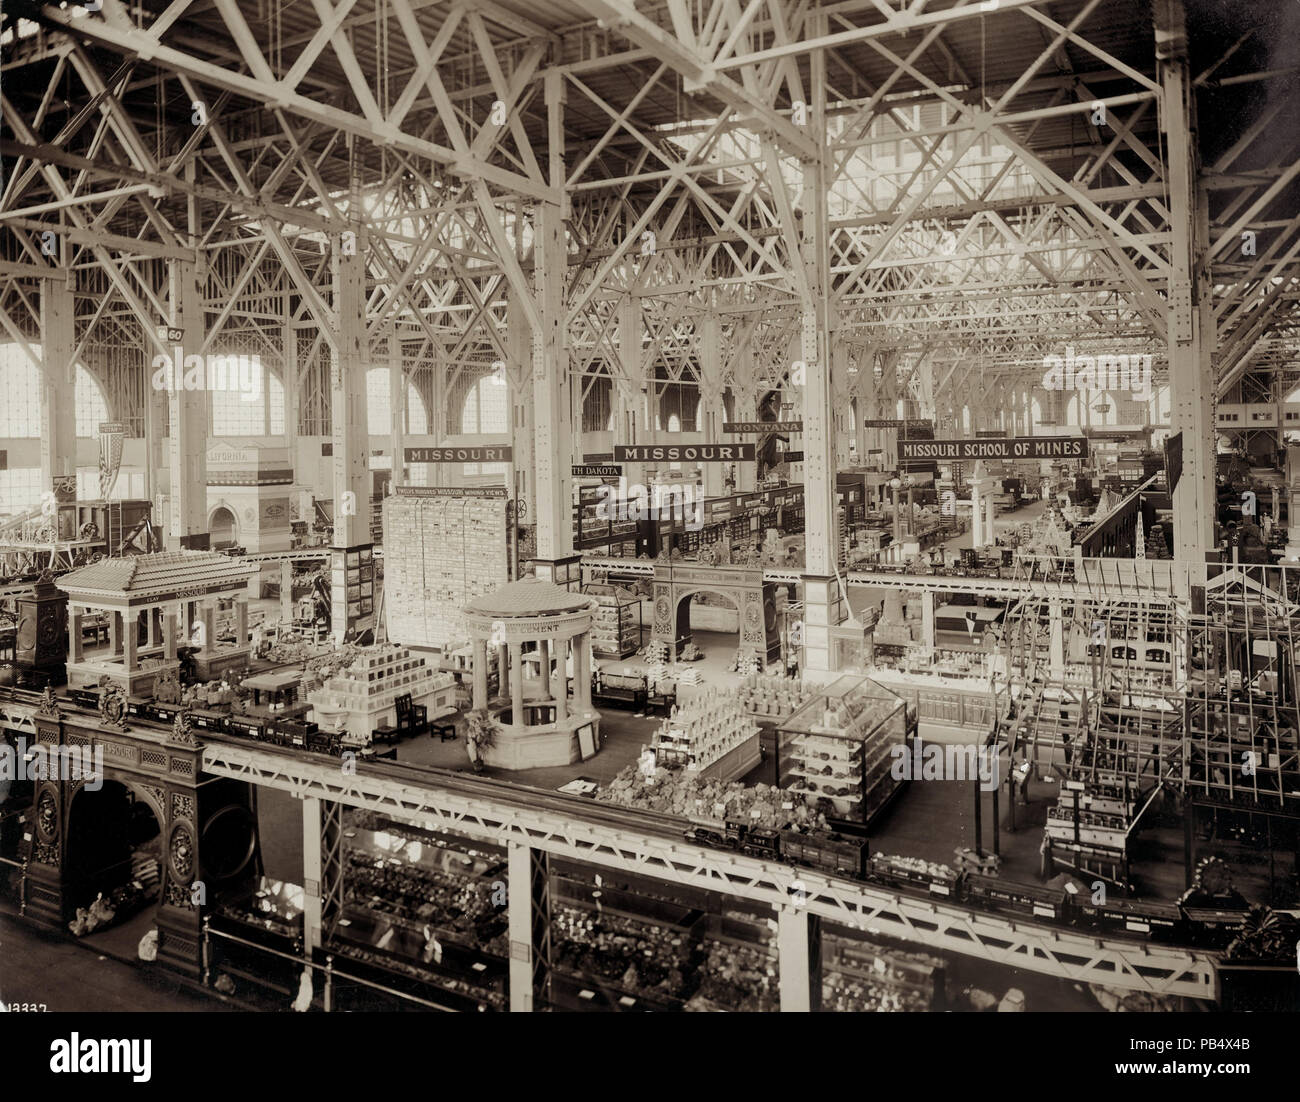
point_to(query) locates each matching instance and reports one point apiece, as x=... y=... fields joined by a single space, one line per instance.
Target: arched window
x=20 y=412
x=92 y=410
x=486 y=410
x=379 y=405
x=256 y=412
x=598 y=406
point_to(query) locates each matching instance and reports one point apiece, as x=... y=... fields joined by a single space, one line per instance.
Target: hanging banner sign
x=792 y=457
x=682 y=453
x=449 y=491
x=1031 y=447
x=894 y=423
x=596 y=470
x=762 y=426
x=991 y=434
x=492 y=453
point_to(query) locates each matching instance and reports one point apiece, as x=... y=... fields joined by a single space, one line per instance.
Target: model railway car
x=834 y=854
x=839 y=855
x=273 y=730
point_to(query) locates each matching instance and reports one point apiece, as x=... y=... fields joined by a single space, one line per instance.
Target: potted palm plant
x=480 y=735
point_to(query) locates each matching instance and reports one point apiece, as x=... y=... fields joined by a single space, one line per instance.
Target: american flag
x=111 y=436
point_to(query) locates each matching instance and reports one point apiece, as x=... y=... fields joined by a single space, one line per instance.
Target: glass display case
x=616 y=624
x=425 y=906
x=640 y=945
x=837 y=749
x=863 y=976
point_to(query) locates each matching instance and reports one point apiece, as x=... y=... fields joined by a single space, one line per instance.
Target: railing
x=22 y=881
x=331 y=973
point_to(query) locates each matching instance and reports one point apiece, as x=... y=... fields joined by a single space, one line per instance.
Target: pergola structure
x=878 y=208
x=538 y=724
x=172 y=590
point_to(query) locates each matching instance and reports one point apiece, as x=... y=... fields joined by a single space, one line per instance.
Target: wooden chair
x=412 y=719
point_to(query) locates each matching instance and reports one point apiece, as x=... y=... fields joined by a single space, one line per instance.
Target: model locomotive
x=841 y=855
x=274 y=730
x=828 y=852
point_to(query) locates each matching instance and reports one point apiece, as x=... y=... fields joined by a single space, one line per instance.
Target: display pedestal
x=41 y=639
x=214 y=663
x=735 y=763
x=521 y=746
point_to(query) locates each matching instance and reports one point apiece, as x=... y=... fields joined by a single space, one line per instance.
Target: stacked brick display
x=442 y=548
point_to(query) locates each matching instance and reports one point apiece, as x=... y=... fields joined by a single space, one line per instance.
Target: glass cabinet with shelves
x=640 y=945
x=426 y=906
x=839 y=747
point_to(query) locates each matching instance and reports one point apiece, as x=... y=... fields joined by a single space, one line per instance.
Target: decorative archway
x=100 y=836
x=223 y=527
x=683 y=629
x=163 y=771
x=754 y=599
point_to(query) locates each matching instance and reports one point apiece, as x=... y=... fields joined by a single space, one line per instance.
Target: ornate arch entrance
x=754 y=599
x=207 y=835
x=223 y=526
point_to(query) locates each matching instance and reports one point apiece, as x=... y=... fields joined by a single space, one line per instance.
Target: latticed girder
x=507 y=818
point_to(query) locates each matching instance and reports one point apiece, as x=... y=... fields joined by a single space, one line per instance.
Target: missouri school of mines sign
x=682 y=453
x=1035 y=447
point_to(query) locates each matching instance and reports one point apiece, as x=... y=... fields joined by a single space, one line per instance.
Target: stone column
x=74 y=636
x=562 y=690
x=552 y=396
x=286 y=592
x=151 y=627
x=798 y=944
x=241 y=622
x=187 y=411
x=115 y=631
x=57 y=403
x=479 y=658
x=582 y=670
x=208 y=618
x=130 y=633
x=517 y=684
x=544 y=661
x=312 y=871
x=503 y=671
x=927 y=618
x=528 y=910
x=169 y=636
x=349 y=356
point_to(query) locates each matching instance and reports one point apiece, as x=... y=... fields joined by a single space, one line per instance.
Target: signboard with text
x=449 y=491
x=894 y=423
x=490 y=453
x=762 y=426
x=682 y=453
x=1031 y=447
x=596 y=470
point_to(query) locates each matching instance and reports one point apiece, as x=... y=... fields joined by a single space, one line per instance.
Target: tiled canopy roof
x=528 y=597
x=167 y=569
